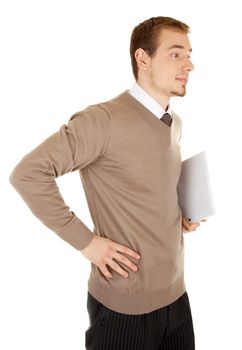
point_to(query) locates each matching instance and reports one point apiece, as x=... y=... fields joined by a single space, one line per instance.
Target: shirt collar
x=143 y=97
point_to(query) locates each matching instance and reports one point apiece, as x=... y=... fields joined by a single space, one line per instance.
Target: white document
x=194 y=190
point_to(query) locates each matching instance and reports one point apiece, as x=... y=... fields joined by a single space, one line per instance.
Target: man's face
x=169 y=68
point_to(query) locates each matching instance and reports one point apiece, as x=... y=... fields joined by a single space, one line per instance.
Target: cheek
x=163 y=74
x=160 y=74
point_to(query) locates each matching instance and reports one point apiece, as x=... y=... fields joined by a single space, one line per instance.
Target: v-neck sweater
x=129 y=163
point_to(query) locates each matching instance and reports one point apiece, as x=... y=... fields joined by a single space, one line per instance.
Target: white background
x=57 y=57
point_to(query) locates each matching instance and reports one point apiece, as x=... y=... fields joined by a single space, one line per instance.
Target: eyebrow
x=178 y=47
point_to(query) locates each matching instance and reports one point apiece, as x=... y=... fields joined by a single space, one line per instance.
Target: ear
x=142 y=59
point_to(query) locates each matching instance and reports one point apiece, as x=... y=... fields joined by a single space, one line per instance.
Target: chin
x=179 y=93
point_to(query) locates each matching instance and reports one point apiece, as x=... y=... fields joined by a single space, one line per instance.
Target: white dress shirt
x=141 y=95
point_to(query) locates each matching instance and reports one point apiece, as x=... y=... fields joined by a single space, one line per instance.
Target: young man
x=128 y=155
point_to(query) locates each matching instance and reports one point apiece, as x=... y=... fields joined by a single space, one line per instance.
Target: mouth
x=182 y=80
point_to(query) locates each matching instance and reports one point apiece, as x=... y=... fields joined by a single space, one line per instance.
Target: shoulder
x=101 y=113
x=90 y=113
x=116 y=105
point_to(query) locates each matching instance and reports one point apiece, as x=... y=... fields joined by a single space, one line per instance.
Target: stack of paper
x=194 y=190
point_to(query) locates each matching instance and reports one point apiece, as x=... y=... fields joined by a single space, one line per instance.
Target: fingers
x=114 y=249
x=125 y=261
x=186 y=225
x=190 y=226
x=118 y=269
x=105 y=271
x=126 y=250
x=102 y=251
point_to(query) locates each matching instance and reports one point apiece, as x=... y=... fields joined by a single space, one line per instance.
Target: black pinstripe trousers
x=167 y=328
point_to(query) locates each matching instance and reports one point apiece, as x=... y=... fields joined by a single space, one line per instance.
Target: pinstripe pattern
x=168 y=328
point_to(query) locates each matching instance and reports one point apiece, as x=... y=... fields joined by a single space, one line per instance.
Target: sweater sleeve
x=74 y=146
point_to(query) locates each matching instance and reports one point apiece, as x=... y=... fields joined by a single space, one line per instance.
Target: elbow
x=16 y=176
x=20 y=173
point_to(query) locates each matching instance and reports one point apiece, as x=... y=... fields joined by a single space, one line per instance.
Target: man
x=128 y=155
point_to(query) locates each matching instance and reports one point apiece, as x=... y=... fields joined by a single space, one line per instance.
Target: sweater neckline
x=157 y=125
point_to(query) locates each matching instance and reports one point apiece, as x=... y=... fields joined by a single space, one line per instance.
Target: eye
x=175 y=54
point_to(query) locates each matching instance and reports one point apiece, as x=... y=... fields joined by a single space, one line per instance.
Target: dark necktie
x=166 y=118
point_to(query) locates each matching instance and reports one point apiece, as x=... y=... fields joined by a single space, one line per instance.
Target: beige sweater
x=129 y=163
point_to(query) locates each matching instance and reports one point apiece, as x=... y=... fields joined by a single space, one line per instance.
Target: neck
x=157 y=96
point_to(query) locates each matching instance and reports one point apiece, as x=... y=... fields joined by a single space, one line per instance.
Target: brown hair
x=145 y=35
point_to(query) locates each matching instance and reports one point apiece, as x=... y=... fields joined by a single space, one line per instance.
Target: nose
x=188 y=66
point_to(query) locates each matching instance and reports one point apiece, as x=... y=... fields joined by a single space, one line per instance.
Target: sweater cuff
x=76 y=233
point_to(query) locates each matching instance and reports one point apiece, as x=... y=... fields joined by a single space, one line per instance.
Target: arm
x=82 y=141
